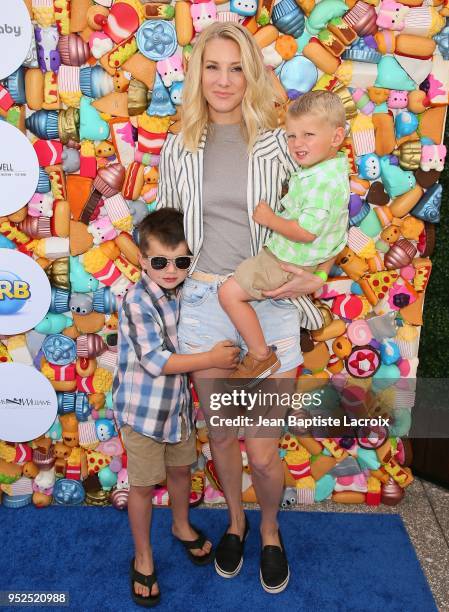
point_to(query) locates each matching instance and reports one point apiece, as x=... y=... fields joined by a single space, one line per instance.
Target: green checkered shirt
x=318 y=199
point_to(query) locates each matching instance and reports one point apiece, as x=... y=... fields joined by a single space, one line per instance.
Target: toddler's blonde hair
x=323 y=103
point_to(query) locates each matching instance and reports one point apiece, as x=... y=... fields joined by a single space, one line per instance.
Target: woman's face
x=223 y=81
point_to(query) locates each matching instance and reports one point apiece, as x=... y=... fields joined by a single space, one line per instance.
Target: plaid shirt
x=318 y=199
x=150 y=402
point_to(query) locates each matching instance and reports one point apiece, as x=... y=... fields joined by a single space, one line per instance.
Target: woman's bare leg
x=225 y=452
x=268 y=477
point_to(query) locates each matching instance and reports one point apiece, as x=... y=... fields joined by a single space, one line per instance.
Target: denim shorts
x=203 y=323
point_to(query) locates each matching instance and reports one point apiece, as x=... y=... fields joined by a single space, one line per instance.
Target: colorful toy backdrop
x=96 y=96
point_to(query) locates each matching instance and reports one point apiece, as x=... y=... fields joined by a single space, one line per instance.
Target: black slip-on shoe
x=229 y=553
x=274 y=570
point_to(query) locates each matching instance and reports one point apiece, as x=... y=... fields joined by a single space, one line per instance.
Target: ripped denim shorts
x=203 y=323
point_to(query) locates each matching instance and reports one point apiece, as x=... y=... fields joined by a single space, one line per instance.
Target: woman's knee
x=262 y=460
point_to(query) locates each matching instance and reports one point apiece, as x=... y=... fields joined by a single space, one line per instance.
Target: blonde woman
x=229 y=156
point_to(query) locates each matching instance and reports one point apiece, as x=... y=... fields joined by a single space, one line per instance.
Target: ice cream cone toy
x=108 y=182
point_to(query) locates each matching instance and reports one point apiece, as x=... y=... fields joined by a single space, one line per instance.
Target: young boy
x=151 y=396
x=311 y=229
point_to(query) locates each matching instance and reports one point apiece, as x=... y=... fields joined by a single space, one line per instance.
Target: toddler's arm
x=223 y=355
x=289 y=228
x=144 y=333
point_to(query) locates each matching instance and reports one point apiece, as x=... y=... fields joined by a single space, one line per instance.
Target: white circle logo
x=25 y=292
x=15 y=36
x=19 y=169
x=28 y=403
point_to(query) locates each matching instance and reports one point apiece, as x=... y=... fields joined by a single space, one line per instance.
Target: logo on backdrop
x=15 y=36
x=25 y=294
x=19 y=169
x=7 y=29
x=13 y=293
x=25 y=414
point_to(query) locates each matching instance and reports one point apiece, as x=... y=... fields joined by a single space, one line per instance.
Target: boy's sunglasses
x=159 y=263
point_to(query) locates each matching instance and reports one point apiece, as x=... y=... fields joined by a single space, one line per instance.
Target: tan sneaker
x=253 y=370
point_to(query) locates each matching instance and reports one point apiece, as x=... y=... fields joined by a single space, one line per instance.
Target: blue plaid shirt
x=150 y=402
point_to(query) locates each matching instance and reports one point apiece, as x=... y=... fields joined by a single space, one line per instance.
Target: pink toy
x=362 y=101
x=213 y=496
x=99 y=44
x=41 y=205
x=392 y=15
x=356 y=482
x=171 y=69
x=111 y=447
x=102 y=230
x=203 y=14
x=160 y=496
x=359 y=332
x=432 y=157
x=122 y=479
x=397 y=99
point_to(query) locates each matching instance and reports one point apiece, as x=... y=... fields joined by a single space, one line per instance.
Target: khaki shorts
x=147 y=458
x=261 y=273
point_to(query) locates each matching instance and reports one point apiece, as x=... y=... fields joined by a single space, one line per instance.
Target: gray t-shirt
x=226 y=229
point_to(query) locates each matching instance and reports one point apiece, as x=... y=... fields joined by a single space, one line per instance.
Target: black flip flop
x=150 y=600
x=190 y=545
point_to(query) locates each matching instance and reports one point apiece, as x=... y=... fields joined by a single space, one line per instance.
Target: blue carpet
x=357 y=562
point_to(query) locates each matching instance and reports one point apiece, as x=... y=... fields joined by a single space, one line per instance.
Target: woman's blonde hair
x=258 y=105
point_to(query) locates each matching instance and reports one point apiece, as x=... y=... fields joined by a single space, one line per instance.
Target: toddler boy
x=310 y=230
x=152 y=402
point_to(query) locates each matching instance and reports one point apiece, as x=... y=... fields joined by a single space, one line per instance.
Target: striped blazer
x=181 y=186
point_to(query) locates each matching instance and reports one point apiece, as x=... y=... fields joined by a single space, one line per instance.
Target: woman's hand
x=263 y=215
x=303 y=283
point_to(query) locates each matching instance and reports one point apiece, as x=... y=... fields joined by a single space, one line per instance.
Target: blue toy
x=245 y=8
x=105 y=429
x=396 y=181
x=156 y=39
x=428 y=207
x=324 y=487
x=59 y=300
x=66 y=402
x=405 y=123
x=55 y=431
x=298 y=76
x=107 y=478
x=161 y=104
x=389 y=352
x=53 y=323
x=369 y=166
x=82 y=407
x=59 y=349
x=81 y=280
x=68 y=492
x=92 y=126
x=176 y=92
x=104 y=300
x=288 y=18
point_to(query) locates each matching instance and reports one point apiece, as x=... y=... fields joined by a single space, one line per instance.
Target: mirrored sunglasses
x=159 y=263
